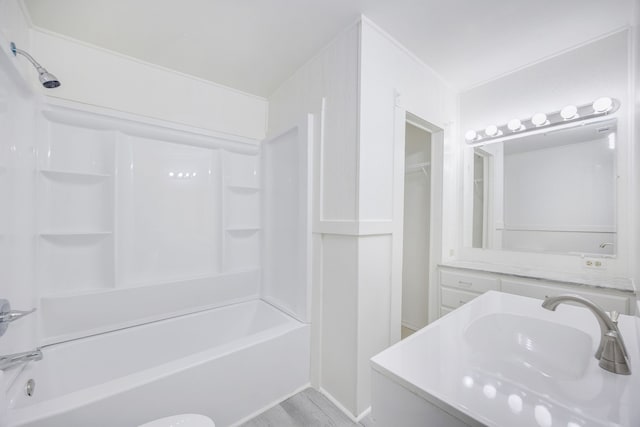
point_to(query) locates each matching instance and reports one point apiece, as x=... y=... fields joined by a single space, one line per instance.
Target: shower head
x=47 y=79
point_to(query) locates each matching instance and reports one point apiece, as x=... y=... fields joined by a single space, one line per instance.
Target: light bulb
x=539 y=119
x=470 y=135
x=602 y=105
x=569 y=112
x=491 y=130
x=514 y=125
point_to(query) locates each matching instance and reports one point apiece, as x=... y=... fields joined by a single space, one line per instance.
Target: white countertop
x=534 y=379
x=616 y=283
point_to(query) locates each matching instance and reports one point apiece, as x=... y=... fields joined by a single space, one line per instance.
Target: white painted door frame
x=402 y=116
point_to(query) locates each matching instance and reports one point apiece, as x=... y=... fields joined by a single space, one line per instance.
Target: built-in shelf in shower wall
x=75 y=199
x=241 y=206
x=142 y=215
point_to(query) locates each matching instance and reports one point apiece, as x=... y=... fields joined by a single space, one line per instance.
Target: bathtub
x=227 y=363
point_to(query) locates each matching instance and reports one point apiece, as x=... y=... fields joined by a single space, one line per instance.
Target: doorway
x=416 y=229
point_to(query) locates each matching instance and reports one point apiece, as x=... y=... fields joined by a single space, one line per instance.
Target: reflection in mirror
x=551 y=192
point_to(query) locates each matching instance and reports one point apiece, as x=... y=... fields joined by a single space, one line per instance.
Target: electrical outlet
x=594 y=263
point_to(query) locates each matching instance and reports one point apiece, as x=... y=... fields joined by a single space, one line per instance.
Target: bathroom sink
x=511 y=342
x=503 y=360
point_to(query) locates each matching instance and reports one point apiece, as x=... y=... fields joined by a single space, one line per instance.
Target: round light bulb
x=539 y=119
x=602 y=105
x=514 y=125
x=569 y=112
x=491 y=130
x=470 y=135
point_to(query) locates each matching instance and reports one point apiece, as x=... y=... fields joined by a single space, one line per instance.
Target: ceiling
x=254 y=45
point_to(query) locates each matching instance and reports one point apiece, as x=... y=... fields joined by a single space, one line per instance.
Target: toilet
x=182 y=420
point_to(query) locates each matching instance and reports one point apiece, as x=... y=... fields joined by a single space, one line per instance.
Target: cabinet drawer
x=468 y=282
x=454 y=298
x=608 y=302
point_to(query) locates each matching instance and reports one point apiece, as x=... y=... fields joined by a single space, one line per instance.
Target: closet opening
x=416 y=227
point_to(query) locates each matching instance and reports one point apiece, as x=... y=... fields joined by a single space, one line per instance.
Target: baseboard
x=270 y=405
x=410 y=326
x=364 y=414
x=353 y=418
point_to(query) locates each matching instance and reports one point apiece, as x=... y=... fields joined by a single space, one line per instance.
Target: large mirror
x=551 y=192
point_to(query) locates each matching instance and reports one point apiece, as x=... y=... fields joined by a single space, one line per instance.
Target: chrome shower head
x=47 y=79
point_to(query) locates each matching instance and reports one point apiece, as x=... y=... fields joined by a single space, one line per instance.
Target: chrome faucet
x=611 y=352
x=605 y=244
x=13 y=360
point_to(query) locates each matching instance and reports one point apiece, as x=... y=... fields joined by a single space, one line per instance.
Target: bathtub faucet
x=13 y=360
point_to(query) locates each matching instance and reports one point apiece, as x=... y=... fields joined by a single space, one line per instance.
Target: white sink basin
x=503 y=360
x=516 y=345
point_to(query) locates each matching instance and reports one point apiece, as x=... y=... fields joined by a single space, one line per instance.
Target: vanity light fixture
x=471 y=135
x=542 y=122
x=515 y=125
x=539 y=119
x=491 y=130
x=602 y=105
x=569 y=112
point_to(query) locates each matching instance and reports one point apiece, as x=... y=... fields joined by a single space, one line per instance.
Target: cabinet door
x=608 y=302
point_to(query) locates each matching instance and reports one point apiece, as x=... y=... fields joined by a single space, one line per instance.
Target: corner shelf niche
x=75 y=200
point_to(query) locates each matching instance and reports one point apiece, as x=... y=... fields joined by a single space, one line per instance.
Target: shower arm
x=17 y=51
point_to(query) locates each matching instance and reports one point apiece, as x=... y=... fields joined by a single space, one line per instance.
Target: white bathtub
x=227 y=363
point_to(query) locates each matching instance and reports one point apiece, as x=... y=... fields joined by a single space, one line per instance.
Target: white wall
x=15 y=28
x=99 y=77
x=579 y=76
x=351 y=88
x=635 y=48
x=392 y=80
x=327 y=87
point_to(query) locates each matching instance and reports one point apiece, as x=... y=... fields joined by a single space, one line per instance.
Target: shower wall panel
x=140 y=219
x=168 y=211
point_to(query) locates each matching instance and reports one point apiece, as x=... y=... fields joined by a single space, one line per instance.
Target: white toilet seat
x=182 y=420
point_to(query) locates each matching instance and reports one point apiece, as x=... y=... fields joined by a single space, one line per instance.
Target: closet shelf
x=75 y=233
x=417 y=166
x=248 y=229
x=52 y=173
x=243 y=188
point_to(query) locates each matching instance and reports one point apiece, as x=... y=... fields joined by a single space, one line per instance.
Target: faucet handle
x=614 y=356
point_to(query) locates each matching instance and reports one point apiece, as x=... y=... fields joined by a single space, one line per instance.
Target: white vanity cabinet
x=459 y=286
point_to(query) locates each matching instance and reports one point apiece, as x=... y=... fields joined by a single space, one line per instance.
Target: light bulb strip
x=584 y=112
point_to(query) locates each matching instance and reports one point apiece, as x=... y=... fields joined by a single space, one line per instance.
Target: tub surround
x=479 y=374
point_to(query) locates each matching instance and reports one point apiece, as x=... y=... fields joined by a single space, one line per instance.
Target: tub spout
x=14 y=360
